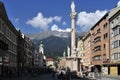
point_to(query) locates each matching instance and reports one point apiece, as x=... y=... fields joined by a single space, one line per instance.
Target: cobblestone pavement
x=30 y=77
x=108 y=78
x=49 y=77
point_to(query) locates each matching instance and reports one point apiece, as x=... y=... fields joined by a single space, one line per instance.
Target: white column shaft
x=73 y=38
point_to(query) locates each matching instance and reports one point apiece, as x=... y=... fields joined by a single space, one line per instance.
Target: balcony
x=96 y=62
x=97 y=44
x=96 y=53
x=97 y=34
x=96 y=48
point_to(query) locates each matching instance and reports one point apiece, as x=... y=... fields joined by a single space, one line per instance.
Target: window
x=98 y=57
x=97 y=39
x=115 y=56
x=117 y=20
x=112 y=24
x=104 y=46
x=116 y=44
x=119 y=30
x=112 y=56
x=105 y=35
x=119 y=42
x=105 y=25
x=112 y=46
x=98 y=48
x=98 y=30
x=116 y=31
x=119 y=55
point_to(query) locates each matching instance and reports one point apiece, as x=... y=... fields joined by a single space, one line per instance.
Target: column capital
x=73 y=15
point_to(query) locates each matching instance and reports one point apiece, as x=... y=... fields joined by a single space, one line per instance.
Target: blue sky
x=33 y=16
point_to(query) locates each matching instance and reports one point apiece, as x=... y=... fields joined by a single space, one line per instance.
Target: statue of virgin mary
x=73 y=6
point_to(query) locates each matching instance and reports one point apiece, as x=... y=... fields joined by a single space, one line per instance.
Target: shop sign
x=105 y=60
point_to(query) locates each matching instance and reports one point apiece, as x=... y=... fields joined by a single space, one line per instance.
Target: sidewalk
x=112 y=77
x=109 y=77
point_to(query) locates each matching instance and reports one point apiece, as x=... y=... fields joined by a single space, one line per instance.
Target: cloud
x=17 y=20
x=42 y=22
x=87 y=20
x=55 y=27
x=64 y=23
x=118 y=4
x=57 y=18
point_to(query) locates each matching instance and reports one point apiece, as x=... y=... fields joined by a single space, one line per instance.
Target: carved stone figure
x=68 y=51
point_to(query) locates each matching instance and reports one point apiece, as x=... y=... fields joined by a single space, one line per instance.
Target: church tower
x=41 y=49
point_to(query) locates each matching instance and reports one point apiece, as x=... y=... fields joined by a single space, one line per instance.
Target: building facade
x=114 y=21
x=86 y=58
x=20 y=53
x=100 y=42
x=28 y=54
x=80 y=46
x=36 y=59
x=80 y=52
x=8 y=38
x=104 y=43
x=16 y=49
x=50 y=63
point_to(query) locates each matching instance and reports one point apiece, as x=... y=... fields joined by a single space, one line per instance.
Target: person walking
x=68 y=75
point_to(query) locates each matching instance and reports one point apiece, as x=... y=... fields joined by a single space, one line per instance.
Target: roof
x=3 y=11
x=4 y=17
x=113 y=12
x=100 y=20
x=49 y=59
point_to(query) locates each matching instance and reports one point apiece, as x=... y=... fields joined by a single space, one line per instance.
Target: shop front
x=115 y=69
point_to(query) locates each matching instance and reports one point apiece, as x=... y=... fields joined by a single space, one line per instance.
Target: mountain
x=46 y=34
x=55 y=43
